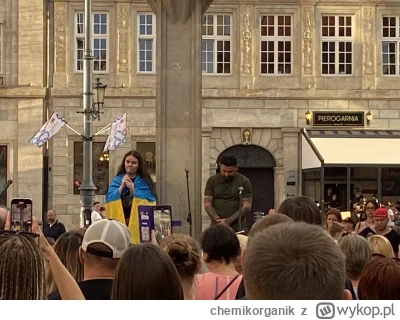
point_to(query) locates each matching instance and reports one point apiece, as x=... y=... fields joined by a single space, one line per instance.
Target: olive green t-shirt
x=225 y=193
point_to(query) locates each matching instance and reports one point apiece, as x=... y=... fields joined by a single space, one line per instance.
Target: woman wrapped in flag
x=130 y=188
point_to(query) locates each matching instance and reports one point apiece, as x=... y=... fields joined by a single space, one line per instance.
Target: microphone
x=241 y=189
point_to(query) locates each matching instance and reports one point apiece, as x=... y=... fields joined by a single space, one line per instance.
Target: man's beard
x=228 y=178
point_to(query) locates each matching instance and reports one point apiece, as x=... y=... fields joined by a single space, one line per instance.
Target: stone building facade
x=265 y=65
x=22 y=97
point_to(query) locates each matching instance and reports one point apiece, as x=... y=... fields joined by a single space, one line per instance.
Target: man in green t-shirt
x=222 y=195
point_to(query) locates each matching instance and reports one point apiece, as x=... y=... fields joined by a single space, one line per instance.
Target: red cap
x=381 y=213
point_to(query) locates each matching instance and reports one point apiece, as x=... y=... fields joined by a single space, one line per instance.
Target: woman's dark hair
x=184 y=254
x=335 y=212
x=301 y=209
x=220 y=243
x=228 y=160
x=376 y=205
x=22 y=273
x=141 y=171
x=146 y=272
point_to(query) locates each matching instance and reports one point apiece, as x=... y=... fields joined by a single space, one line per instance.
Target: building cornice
x=264 y=94
x=22 y=92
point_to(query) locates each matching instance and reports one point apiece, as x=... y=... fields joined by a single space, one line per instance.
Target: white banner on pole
x=117 y=134
x=49 y=129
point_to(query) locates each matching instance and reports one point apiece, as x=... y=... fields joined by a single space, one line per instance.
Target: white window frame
x=147 y=37
x=396 y=40
x=1 y=47
x=275 y=38
x=338 y=39
x=217 y=38
x=94 y=37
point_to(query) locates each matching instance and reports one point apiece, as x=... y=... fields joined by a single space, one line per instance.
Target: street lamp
x=99 y=91
x=87 y=188
x=308 y=116
x=369 y=117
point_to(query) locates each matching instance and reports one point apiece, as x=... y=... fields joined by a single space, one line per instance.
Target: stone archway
x=257 y=164
x=251 y=156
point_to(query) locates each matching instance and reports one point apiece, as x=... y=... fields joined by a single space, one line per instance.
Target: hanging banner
x=49 y=129
x=117 y=134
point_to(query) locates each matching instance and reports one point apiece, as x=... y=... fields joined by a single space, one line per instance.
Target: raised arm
x=66 y=284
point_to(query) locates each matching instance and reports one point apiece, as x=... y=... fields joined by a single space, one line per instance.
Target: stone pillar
x=30 y=43
x=178 y=106
x=279 y=187
x=291 y=161
x=30 y=158
x=368 y=23
x=246 y=46
x=30 y=111
x=308 y=45
x=124 y=14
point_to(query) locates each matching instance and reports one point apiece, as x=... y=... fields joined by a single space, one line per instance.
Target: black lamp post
x=99 y=91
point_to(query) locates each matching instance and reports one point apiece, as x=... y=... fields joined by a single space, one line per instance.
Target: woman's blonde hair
x=381 y=245
x=67 y=249
x=238 y=261
x=243 y=241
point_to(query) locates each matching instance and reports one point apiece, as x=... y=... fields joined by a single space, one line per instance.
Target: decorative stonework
x=246 y=34
x=368 y=40
x=224 y=138
x=60 y=20
x=123 y=37
x=307 y=39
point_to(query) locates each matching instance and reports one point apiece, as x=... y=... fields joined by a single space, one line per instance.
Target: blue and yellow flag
x=142 y=196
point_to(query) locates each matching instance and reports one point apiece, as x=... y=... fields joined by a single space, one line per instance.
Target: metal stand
x=189 y=217
x=240 y=208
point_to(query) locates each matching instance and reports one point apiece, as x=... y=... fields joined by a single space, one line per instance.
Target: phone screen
x=162 y=221
x=21 y=215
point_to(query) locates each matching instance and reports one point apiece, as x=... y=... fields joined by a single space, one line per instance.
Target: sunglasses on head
x=22 y=233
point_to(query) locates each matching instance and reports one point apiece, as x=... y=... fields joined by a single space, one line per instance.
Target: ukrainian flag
x=142 y=196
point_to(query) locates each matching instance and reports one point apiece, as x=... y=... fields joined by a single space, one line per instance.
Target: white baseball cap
x=111 y=233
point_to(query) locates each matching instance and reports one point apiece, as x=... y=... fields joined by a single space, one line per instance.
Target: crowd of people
x=294 y=254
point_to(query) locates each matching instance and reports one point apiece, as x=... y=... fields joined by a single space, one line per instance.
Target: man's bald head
x=51 y=216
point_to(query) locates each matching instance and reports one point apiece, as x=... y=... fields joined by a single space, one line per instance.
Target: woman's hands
x=127 y=182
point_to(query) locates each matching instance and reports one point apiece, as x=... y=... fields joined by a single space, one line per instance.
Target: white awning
x=349 y=148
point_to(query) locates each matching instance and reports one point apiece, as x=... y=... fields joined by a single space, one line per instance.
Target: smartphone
x=162 y=221
x=21 y=214
x=157 y=218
